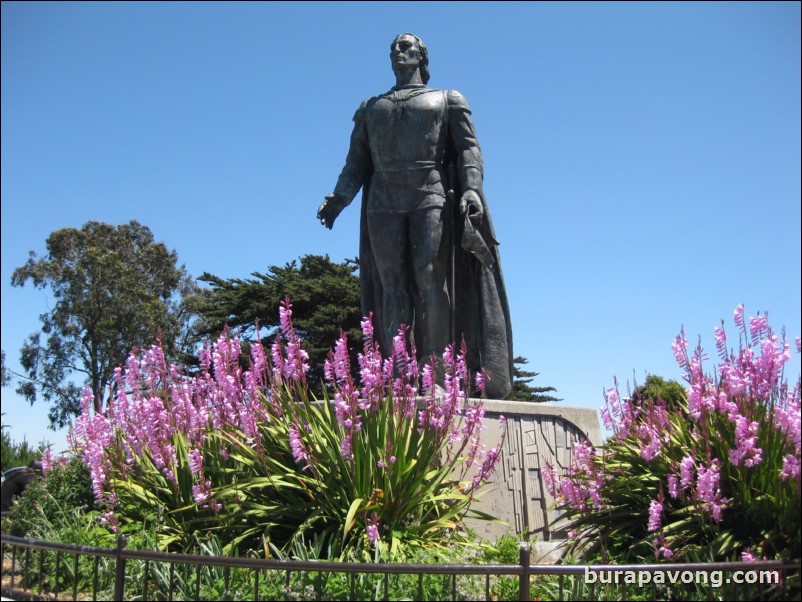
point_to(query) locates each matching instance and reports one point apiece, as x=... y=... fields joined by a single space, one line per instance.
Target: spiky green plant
x=253 y=459
x=712 y=477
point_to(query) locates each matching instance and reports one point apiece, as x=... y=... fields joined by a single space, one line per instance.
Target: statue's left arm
x=470 y=167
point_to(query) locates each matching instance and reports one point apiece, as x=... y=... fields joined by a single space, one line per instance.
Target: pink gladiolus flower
x=791 y=467
x=758 y=327
x=345 y=446
x=297 y=446
x=47 y=461
x=195 y=461
x=680 y=347
x=607 y=420
x=551 y=480
x=687 y=466
x=721 y=341
x=488 y=467
x=707 y=489
x=200 y=493
x=366 y=324
x=655 y=514
x=739 y=318
x=673 y=486
x=663 y=549
x=788 y=419
x=745 y=438
x=707 y=482
x=480 y=380
x=340 y=361
x=205 y=357
x=285 y=319
x=372 y=531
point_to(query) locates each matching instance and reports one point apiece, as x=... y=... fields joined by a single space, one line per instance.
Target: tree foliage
x=657 y=388
x=115 y=289
x=5 y=373
x=13 y=453
x=325 y=302
x=522 y=390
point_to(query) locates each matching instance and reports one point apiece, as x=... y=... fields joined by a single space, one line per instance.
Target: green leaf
x=349 y=517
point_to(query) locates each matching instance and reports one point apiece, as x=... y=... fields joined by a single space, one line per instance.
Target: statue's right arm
x=357 y=169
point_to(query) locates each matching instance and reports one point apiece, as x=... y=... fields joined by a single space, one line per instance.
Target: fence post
x=119 y=574
x=524 y=559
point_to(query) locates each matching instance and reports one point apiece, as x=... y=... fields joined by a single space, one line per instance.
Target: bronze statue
x=428 y=255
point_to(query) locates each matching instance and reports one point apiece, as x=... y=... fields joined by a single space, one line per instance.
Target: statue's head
x=408 y=49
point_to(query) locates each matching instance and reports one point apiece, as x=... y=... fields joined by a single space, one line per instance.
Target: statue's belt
x=391 y=166
x=402 y=166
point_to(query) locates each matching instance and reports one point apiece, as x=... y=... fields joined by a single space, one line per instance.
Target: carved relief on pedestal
x=537 y=436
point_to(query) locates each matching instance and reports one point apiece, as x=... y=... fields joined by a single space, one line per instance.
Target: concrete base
x=538 y=435
x=547 y=552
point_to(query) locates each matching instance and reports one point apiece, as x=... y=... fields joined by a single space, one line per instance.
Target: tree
x=325 y=302
x=657 y=388
x=5 y=374
x=522 y=391
x=115 y=289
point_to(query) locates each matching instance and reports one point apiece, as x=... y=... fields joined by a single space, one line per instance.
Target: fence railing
x=41 y=570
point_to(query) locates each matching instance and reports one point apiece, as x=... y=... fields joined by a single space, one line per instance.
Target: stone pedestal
x=538 y=434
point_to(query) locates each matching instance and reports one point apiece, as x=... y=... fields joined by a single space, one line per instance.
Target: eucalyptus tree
x=114 y=289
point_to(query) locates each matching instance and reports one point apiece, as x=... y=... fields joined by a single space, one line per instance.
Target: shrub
x=52 y=499
x=713 y=476
x=15 y=453
x=252 y=458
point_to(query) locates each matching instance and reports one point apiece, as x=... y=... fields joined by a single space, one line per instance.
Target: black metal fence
x=40 y=570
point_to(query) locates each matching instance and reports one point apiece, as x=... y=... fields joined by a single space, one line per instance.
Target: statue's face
x=404 y=53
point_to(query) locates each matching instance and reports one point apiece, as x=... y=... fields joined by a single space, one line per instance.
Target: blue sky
x=642 y=160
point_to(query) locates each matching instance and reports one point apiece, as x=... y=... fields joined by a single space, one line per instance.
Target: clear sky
x=642 y=160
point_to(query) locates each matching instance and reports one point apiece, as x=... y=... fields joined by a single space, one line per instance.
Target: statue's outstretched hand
x=471 y=205
x=329 y=210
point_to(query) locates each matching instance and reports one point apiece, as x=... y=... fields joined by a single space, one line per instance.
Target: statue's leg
x=389 y=239
x=429 y=254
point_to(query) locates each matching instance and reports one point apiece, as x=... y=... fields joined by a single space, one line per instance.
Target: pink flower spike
x=721 y=342
x=480 y=380
x=285 y=319
x=673 y=486
x=738 y=316
x=655 y=515
x=367 y=330
x=372 y=530
x=680 y=347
